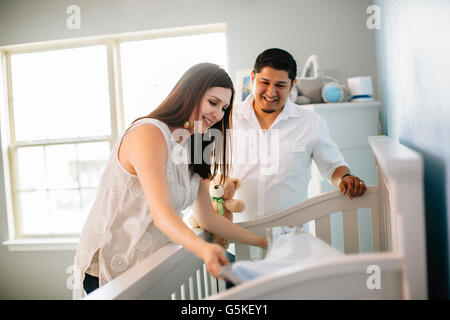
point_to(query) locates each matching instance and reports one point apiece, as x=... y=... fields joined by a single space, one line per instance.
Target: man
x=275 y=141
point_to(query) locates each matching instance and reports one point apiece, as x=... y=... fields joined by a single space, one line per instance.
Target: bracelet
x=345 y=175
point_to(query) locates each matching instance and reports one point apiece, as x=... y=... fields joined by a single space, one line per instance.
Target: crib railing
x=171 y=272
x=318 y=210
x=175 y=273
x=198 y=286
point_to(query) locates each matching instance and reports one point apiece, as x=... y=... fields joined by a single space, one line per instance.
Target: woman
x=145 y=187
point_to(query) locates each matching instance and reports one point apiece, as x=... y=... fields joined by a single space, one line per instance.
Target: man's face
x=271 y=89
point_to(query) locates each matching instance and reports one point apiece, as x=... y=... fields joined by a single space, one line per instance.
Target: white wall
x=413 y=51
x=333 y=29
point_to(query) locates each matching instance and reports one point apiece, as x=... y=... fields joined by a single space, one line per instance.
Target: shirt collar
x=245 y=108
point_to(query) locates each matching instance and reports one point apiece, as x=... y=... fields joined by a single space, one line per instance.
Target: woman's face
x=212 y=108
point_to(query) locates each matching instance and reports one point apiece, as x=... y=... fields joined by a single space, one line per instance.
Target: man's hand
x=352 y=186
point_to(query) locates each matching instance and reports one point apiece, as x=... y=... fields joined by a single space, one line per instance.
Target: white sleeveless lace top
x=119 y=231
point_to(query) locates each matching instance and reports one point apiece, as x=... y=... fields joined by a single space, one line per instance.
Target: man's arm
x=350 y=184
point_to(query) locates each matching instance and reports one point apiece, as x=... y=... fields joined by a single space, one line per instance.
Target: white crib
x=398 y=254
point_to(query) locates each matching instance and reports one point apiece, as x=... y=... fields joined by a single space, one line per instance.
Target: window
x=151 y=68
x=66 y=109
x=61 y=127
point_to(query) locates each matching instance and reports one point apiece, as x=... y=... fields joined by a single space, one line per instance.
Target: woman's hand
x=262 y=243
x=214 y=257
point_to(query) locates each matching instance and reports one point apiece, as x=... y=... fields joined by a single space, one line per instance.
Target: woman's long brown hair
x=184 y=99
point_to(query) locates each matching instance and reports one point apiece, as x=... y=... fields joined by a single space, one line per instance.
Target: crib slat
x=242 y=251
x=222 y=285
x=192 y=288
x=389 y=242
x=351 y=237
x=375 y=225
x=200 y=286
x=187 y=294
x=205 y=278
x=382 y=209
x=183 y=292
x=213 y=282
x=323 y=229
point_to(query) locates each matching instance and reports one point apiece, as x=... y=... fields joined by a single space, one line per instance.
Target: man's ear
x=253 y=75
x=293 y=83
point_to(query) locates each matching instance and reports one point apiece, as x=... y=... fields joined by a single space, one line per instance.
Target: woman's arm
x=146 y=151
x=209 y=220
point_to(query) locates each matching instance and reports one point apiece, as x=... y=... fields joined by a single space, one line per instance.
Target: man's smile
x=270 y=100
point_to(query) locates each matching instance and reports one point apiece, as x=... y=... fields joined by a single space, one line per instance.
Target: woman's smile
x=208 y=122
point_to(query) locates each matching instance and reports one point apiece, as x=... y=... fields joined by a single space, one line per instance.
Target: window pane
x=65 y=211
x=151 y=68
x=87 y=200
x=34 y=211
x=31 y=169
x=68 y=176
x=92 y=158
x=61 y=93
x=62 y=168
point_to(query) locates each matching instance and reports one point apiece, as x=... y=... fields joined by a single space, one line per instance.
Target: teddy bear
x=223 y=203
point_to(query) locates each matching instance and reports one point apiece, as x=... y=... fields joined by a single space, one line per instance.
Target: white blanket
x=291 y=247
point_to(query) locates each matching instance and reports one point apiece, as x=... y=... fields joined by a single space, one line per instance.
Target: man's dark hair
x=276 y=59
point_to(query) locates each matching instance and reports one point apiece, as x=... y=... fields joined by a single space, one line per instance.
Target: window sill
x=42 y=244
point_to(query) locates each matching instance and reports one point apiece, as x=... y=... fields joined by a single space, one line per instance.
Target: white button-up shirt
x=274 y=167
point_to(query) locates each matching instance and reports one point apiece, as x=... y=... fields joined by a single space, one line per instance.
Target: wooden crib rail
x=319 y=209
x=348 y=277
x=173 y=272
x=402 y=194
x=160 y=275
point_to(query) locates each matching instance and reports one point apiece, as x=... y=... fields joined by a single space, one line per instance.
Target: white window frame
x=17 y=241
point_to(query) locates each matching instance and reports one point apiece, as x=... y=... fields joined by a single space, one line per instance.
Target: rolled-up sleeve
x=326 y=153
